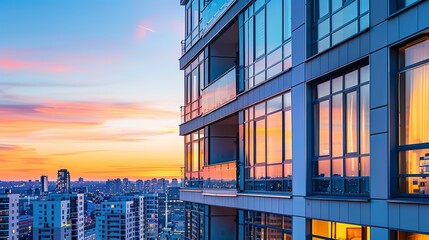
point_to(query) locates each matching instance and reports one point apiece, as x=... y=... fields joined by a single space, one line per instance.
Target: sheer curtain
x=416 y=107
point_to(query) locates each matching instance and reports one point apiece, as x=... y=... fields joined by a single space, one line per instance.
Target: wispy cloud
x=12 y=64
x=145 y=27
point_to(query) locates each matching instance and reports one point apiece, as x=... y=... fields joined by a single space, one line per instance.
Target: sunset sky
x=91 y=86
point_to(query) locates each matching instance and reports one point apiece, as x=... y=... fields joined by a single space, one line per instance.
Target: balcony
x=220 y=91
x=212 y=12
x=209 y=16
x=215 y=176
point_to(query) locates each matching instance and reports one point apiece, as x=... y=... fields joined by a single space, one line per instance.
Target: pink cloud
x=11 y=64
x=144 y=28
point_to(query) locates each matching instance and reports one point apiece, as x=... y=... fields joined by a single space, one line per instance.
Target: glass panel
x=201 y=154
x=323 y=89
x=347 y=231
x=220 y=92
x=287 y=99
x=323 y=28
x=364 y=119
x=260 y=110
x=274 y=171
x=364 y=74
x=260 y=141
x=195 y=153
x=323 y=7
x=412 y=236
x=274 y=234
x=288 y=134
x=337 y=84
x=417 y=53
x=415 y=105
x=351 y=122
x=321 y=228
x=323 y=128
x=337 y=125
x=260 y=34
x=344 y=32
x=364 y=22
x=287 y=19
x=364 y=6
x=251 y=143
x=414 y=162
x=288 y=168
x=337 y=168
x=351 y=79
x=258 y=4
x=274 y=137
x=336 y=4
x=344 y=16
x=274 y=104
x=274 y=57
x=287 y=223
x=195 y=85
x=364 y=166
x=274 y=24
x=323 y=168
x=276 y=69
x=352 y=168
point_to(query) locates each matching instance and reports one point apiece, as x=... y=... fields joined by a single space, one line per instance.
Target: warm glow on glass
x=351 y=122
x=414 y=162
x=195 y=153
x=337 y=125
x=260 y=141
x=324 y=128
x=288 y=134
x=364 y=119
x=274 y=138
x=335 y=230
x=412 y=236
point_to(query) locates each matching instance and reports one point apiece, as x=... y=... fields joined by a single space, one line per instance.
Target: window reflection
x=268 y=145
x=413 y=165
x=335 y=230
x=341 y=134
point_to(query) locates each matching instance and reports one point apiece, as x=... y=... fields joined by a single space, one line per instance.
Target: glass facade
x=267 y=40
x=334 y=230
x=194 y=82
x=413 y=160
x=259 y=225
x=195 y=224
x=341 y=134
x=268 y=145
x=400 y=4
x=333 y=21
x=195 y=158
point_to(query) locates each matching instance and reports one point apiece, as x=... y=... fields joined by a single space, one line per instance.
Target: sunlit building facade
x=306 y=119
x=9 y=216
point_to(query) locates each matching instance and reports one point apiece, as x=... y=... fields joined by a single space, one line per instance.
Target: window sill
x=410 y=200
x=338 y=198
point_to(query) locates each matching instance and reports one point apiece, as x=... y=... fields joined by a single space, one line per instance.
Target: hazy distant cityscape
x=62 y=209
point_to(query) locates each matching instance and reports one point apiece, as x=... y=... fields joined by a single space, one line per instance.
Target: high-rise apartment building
x=122 y=217
x=306 y=119
x=9 y=216
x=44 y=184
x=151 y=216
x=63 y=181
x=59 y=216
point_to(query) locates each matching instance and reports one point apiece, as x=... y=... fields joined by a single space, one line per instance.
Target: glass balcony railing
x=209 y=15
x=220 y=92
x=215 y=176
x=212 y=12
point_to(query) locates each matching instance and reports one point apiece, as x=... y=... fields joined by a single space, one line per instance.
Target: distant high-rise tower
x=9 y=213
x=63 y=181
x=44 y=183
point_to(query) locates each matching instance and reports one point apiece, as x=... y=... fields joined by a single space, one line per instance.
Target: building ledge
x=264 y=195
x=424 y=201
x=338 y=198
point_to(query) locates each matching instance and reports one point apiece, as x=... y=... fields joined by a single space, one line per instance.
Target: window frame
x=402 y=147
x=315 y=134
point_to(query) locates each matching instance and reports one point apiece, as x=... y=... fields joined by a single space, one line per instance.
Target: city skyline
x=77 y=89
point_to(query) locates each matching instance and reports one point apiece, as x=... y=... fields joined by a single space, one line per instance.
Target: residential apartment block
x=9 y=216
x=306 y=119
x=59 y=216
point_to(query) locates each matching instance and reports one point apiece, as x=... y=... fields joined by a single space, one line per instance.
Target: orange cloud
x=11 y=64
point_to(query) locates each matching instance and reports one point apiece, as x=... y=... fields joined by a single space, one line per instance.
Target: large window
x=268 y=145
x=194 y=158
x=267 y=45
x=413 y=165
x=259 y=225
x=194 y=82
x=341 y=134
x=335 y=230
x=333 y=21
